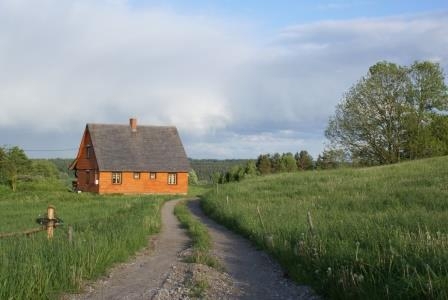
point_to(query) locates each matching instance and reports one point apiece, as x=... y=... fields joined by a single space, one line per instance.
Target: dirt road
x=142 y=277
x=253 y=272
x=159 y=273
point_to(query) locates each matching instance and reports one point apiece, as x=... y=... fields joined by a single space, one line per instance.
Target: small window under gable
x=88 y=150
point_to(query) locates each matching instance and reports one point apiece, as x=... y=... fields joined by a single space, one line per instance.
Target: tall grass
x=374 y=233
x=107 y=230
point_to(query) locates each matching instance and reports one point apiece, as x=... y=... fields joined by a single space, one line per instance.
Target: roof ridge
x=127 y=125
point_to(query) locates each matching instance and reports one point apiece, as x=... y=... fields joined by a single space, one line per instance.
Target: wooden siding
x=86 y=166
x=144 y=185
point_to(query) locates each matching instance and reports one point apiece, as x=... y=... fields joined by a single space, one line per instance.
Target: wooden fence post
x=310 y=223
x=50 y=225
x=70 y=234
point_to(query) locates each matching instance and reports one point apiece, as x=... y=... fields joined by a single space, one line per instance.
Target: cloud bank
x=231 y=90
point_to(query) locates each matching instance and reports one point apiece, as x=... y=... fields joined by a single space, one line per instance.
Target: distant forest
x=207 y=168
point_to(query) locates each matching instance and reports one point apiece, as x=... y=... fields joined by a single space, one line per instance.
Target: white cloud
x=231 y=92
x=84 y=62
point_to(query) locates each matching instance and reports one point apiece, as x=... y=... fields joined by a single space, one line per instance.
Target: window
x=152 y=175
x=88 y=149
x=136 y=175
x=87 y=177
x=172 y=178
x=116 y=177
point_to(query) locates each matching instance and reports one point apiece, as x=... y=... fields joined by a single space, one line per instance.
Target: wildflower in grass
x=358 y=278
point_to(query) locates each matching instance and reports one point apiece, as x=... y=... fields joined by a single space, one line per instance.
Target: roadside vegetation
x=202 y=242
x=106 y=230
x=367 y=233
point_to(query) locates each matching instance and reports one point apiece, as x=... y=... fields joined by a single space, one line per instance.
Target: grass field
x=107 y=230
x=374 y=233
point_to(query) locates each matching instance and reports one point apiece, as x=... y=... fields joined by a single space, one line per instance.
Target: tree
x=264 y=164
x=427 y=92
x=288 y=162
x=3 y=175
x=44 y=168
x=14 y=163
x=331 y=159
x=193 y=177
x=386 y=116
x=304 y=160
x=251 y=168
x=276 y=165
x=216 y=177
x=236 y=173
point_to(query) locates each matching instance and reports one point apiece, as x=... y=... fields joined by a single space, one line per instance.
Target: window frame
x=117 y=178
x=152 y=175
x=136 y=175
x=170 y=178
x=88 y=151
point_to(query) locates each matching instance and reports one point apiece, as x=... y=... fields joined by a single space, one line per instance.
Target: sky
x=237 y=78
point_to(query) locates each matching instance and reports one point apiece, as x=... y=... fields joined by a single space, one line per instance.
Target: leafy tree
x=263 y=164
x=331 y=159
x=276 y=164
x=192 y=177
x=427 y=92
x=304 y=160
x=386 y=116
x=14 y=163
x=288 y=162
x=216 y=177
x=3 y=175
x=236 y=173
x=44 y=168
x=251 y=168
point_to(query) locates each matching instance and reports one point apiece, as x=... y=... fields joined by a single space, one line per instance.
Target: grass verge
x=200 y=236
x=373 y=233
x=106 y=230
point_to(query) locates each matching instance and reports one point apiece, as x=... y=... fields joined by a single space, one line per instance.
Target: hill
x=371 y=233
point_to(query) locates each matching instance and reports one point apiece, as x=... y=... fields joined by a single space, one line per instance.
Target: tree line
x=394 y=113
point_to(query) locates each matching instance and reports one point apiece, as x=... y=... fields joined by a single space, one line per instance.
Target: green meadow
x=106 y=230
x=372 y=233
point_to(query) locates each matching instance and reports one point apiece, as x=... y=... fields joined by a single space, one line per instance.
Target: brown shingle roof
x=150 y=148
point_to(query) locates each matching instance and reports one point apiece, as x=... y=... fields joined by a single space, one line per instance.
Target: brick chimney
x=133 y=124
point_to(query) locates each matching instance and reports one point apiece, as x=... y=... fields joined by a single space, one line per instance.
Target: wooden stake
x=261 y=219
x=70 y=234
x=26 y=232
x=310 y=223
x=50 y=225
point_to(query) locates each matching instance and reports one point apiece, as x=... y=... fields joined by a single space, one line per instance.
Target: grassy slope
x=379 y=232
x=107 y=229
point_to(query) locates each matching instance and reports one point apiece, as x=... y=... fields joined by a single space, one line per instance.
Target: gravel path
x=253 y=272
x=144 y=275
x=158 y=272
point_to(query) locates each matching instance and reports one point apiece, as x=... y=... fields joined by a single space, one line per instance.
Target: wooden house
x=131 y=159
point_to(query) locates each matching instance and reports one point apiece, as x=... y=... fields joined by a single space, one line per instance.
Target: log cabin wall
x=143 y=185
